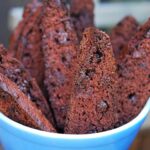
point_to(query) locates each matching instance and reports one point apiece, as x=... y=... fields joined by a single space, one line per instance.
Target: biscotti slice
x=60 y=50
x=92 y=104
x=82 y=14
x=16 y=105
x=134 y=74
x=16 y=72
x=28 y=12
x=28 y=47
x=17 y=32
x=121 y=34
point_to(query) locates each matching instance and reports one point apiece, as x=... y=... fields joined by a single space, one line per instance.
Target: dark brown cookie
x=28 y=38
x=28 y=12
x=16 y=72
x=121 y=34
x=82 y=14
x=92 y=106
x=134 y=74
x=17 y=32
x=16 y=105
x=60 y=50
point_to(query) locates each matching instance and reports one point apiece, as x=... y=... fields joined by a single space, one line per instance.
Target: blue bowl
x=14 y=136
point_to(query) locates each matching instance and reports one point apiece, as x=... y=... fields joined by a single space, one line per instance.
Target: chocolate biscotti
x=28 y=38
x=121 y=34
x=16 y=105
x=93 y=105
x=16 y=72
x=15 y=36
x=82 y=14
x=134 y=74
x=60 y=50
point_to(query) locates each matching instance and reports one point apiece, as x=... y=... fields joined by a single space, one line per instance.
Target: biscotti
x=17 y=73
x=134 y=74
x=92 y=105
x=82 y=15
x=60 y=50
x=16 y=105
x=28 y=38
x=121 y=34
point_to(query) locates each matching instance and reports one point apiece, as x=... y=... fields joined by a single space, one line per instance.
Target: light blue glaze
x=14 y=136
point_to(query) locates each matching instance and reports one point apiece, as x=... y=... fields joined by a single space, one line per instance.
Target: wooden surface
x=0 y=147
x=142 y=141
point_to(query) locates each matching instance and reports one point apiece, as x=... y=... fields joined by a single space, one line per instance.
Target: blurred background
x=107 y=14
x=5 y=8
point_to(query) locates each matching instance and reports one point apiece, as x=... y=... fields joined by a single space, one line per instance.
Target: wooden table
x=142 y=141
x=0 y=148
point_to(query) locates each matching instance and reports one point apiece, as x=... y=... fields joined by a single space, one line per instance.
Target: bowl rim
x=144 y=112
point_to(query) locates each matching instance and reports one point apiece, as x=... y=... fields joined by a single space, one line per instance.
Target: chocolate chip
x=119 y=67
x=91 y=131
x=99 y=37
x=53 y=84
x=57 y=2
x=143 y=65
x=89 y=72
x=17 y=70
x=98 y=56
x=27 y=60
x=3 y=95
x=132 y=97
x=60 y=76
x=120 y=47
x=102 y=106
x=1 y=59
x=13 y=112
x=63 y=59
x=137 y=54
x=24 y=41
x=62 y=37
x=148 y=34
x=66 y=59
